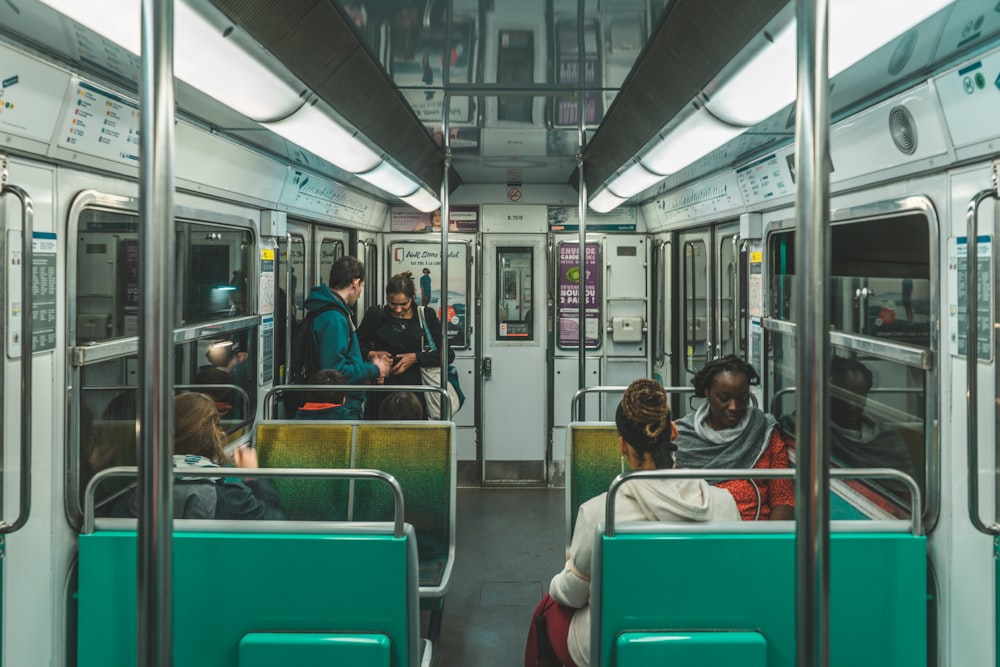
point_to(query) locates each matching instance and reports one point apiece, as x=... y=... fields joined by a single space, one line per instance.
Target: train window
x=880 y=289
x=515 y=65
x=222 y=367
x=695 y=317
x=880 y=278
x=298 y=262
x=330 y=250
x=728 y=294
x=216 y=262
x=107 y=276
x=515 y=318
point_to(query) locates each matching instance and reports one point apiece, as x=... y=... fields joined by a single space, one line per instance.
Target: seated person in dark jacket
x=333 y=404
x=199 y=442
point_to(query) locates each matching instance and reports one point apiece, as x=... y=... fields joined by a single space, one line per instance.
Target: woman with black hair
x=728 y=432
x=561 y=628
x=397 y=332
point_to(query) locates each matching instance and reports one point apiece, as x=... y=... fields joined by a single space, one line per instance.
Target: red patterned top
x=773 y=492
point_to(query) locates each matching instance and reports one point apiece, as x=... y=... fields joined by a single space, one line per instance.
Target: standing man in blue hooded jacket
x=333 y=329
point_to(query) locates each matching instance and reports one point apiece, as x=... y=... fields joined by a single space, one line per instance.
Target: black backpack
x=305 y=359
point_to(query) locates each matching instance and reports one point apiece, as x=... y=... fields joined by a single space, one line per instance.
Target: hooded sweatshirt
x=335 y=337
x=639 y=500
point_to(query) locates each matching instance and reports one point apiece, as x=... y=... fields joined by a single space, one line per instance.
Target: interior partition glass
x=695 y=319
x=515 y=276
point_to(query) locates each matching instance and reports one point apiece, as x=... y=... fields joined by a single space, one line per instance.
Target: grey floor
x=509 y=543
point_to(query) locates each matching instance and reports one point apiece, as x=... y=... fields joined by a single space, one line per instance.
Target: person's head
x=221 y=354
x=401 y=405
x=645 y=429
x=854 y=381
x=347 y=278
x=725 y=383
x=436 y=220
x=427 y=271
x=400 y=294
x=326 y=376
x=196 y=428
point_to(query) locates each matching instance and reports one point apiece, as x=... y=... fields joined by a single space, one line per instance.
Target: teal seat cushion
x=691 y=649
x=308 y=649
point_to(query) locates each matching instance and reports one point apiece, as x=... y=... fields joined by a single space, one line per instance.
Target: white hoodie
x=639 y=500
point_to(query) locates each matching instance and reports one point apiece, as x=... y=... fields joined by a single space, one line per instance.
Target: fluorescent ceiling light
x=317 y=132
x=634 y=180
x=390 y=179
x=422 y=200
x=767 y=82
x=216 y=65
x=605 y=200
x=698 y=135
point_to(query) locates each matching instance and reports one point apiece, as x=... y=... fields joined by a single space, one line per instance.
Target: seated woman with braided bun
x=728 y=432
x=561 y=628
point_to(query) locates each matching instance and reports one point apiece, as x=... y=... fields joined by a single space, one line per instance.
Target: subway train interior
x=660 y=140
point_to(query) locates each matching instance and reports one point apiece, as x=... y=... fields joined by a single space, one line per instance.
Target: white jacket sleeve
x=571 y=587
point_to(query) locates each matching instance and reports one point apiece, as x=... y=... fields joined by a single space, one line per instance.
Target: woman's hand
x=377 y=354
x=403 y=361
x=245 y=457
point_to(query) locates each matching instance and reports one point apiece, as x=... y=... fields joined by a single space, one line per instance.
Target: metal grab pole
x=445 y=225
x=972 y=354
x=27 y=335
x=581 y=134
x=812 y=487
x=156 y=348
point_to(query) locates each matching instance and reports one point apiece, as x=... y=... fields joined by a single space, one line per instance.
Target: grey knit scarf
x=701 y=446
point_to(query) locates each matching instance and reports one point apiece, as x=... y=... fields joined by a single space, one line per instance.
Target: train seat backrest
x=243 y=593
x=724 y=593
x=321 y=445
x=419 y=454
x=593 y=460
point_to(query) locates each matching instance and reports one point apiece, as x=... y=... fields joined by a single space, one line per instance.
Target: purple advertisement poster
x=568 y=283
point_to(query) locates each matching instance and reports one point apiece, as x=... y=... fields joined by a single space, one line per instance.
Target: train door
x=709 y=285
x=514 y=393
x=35 y=548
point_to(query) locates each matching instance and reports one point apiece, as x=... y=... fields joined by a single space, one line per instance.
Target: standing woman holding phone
x=393 y=331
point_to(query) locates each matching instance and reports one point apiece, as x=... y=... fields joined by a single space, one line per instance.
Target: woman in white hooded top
x=560 y=633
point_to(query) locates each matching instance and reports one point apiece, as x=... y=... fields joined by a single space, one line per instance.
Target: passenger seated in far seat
x=857 y=439
x=402 y=405
x=199 y=443
x=560 y=630
x=329 y=404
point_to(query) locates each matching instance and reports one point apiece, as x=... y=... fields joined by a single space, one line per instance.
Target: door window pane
x=695 y=319
x=515 y=277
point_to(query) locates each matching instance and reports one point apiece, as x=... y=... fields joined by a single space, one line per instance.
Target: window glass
x=728 y=294
x=515 y=277
x=107 y=276
x=695 y=329
x=216 y=265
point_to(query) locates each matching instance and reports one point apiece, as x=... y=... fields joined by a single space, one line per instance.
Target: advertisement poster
x=423 y=260
x=406 y=219
x=568 y=284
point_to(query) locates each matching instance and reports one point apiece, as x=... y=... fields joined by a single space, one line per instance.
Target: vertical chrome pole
x=289 y=313
x=156 y=349
x=581 y=134
x=812 y=487
x=445 y=226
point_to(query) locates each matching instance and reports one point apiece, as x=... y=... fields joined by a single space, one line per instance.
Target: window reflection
x=515 y=320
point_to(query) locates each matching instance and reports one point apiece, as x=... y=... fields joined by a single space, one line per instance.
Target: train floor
x=509 y=543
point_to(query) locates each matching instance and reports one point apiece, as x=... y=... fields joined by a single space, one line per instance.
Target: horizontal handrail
x=321 y=473
x=270 y=396
x=759 y=473
x=575 y=405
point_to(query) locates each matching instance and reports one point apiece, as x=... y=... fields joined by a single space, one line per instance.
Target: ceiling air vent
x=903 y=130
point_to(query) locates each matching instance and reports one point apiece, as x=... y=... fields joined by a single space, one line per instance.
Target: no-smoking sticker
x=514 y=194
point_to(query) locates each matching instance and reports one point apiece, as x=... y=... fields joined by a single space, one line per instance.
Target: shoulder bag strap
x=427 y=331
